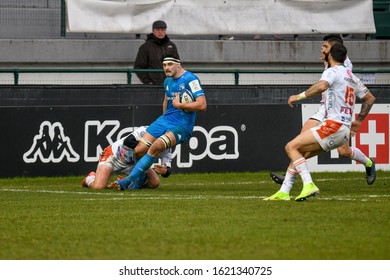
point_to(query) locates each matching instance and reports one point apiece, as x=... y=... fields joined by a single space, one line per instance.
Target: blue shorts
x=162 y=125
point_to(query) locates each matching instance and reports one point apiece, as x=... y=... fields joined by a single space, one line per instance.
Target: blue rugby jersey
x=187 y=81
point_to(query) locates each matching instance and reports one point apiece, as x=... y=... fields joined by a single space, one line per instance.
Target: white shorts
x=331 y=134
x=107 y=158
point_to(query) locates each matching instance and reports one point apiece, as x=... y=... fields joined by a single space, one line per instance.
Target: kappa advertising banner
x=58 y=141
x=201 y=17
x=373 y=139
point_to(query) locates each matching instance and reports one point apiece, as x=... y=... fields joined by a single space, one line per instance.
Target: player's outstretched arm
x=316 y=89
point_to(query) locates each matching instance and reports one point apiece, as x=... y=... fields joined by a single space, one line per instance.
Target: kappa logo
x=221 y=142
x=98 y=135
x=51 y=145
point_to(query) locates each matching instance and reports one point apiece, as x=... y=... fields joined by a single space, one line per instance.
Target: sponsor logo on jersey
x=195 y=85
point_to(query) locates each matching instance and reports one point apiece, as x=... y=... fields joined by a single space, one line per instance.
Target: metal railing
x=235 y=72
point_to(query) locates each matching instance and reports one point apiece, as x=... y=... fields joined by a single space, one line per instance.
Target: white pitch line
x=271 y=182
x=57 y=192
x=349 y=179
x=176 y=197
x=137 y=195
x=115 y=195
x=227 y=197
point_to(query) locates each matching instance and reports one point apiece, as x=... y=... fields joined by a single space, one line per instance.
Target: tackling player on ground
x=118 y=158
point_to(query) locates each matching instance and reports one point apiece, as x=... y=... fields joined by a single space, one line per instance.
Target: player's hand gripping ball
x=186 y=97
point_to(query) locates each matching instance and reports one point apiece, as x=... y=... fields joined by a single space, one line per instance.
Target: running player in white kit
x=345 y=150
x=341 y=88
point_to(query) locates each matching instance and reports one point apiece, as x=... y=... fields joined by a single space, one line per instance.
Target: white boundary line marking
x=57 y=192
x=152 y=196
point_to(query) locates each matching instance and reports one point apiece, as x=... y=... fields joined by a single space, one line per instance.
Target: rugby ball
x=186 y=97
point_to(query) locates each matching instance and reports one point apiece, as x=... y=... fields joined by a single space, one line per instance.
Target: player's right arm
x=162 y=169
x=314 y=90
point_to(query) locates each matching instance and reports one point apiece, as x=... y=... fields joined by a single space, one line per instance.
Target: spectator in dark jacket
x=151 y=52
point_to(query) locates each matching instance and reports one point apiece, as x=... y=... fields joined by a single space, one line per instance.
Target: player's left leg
x=102 y=176
x=98 y=180
x=287 y=184
x=87 y=181
x=311 y=122
x=295 y=149
x=329 y=135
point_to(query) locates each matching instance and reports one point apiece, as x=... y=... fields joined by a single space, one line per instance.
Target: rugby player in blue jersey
x=176 y=124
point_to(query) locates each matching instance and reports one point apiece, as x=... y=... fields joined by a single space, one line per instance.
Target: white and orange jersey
x=340 y=97
x=320 y=114
x=124 y=153
x=348 y=64
x=120 y=157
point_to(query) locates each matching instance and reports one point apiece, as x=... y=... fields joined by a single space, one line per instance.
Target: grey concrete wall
x=194 y=53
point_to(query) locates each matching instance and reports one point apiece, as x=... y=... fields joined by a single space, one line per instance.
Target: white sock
x=301 y=166
x=89 y=180
x=291 y=176
x=357 y=155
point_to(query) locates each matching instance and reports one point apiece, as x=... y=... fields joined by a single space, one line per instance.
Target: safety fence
x=105 y=76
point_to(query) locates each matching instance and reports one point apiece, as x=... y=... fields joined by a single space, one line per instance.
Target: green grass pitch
x=196 y=217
